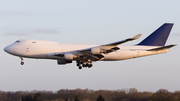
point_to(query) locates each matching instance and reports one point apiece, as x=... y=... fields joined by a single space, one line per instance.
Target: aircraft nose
x=8 y=49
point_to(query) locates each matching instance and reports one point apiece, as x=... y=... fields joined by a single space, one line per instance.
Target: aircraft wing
x=123 y=41
x=95 y=53
x=111 y=46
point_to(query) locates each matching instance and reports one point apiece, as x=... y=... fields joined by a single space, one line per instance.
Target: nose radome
x=11 y=49
x=6 y=49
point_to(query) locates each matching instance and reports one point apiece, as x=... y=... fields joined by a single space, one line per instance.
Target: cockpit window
x=17 y=42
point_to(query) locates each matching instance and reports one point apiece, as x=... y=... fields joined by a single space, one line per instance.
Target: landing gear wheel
x=90 y=65
x=78 y=64
x=22 y=63
x=84 y=65
x=80 y=67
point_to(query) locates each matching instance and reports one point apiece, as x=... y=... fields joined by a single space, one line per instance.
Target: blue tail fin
x=158 y=37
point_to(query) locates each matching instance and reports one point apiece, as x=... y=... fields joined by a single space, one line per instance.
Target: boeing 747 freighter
x=86 y=54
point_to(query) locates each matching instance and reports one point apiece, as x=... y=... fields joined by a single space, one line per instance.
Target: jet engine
x=63 y=62
x=68 y=56
x=96 y=50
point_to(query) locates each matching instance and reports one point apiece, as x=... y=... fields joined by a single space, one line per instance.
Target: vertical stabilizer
x=158 y=37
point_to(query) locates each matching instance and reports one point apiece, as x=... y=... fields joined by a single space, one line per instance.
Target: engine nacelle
x=96 y=50
x=68 y=56
x=63 y=62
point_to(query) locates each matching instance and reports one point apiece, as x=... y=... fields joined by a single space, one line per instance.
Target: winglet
x=136 y=37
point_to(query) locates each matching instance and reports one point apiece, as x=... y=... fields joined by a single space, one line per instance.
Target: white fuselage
x=46 y=50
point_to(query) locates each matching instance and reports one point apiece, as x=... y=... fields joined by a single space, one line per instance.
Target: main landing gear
x=84 y=64
x=22 y=63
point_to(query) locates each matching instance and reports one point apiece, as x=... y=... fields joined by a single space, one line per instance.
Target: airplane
x=86 y=54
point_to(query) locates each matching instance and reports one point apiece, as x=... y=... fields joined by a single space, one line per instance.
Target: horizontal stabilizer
x=161 y=48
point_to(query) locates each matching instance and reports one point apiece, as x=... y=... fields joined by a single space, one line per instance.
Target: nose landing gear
x=22 y=63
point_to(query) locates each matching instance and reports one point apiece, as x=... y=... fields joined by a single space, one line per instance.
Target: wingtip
x=174 y=44
x=137 y=36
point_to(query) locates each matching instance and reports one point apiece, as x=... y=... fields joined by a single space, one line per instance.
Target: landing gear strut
x=22 y=63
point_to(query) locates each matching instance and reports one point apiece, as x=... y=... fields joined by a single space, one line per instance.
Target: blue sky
x=93 y=22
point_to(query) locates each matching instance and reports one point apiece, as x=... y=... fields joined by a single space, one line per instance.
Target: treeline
x=90 y=95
